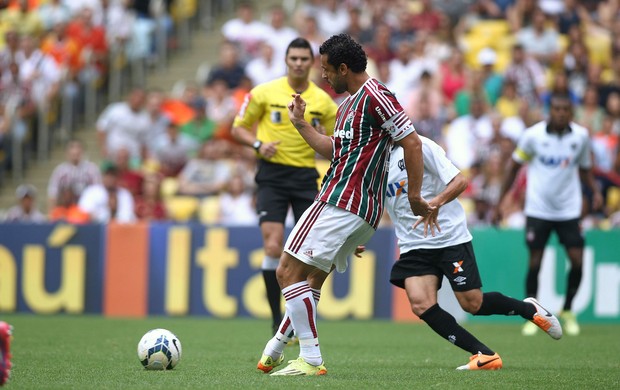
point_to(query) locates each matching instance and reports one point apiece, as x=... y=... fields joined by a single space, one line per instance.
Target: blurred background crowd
x=472 y=75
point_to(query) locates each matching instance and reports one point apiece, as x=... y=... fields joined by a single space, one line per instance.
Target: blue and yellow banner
x=192 y=269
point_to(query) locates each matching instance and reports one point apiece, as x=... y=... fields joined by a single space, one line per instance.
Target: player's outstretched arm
x=322 y=144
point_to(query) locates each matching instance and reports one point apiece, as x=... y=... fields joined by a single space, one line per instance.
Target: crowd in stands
x=472 y=75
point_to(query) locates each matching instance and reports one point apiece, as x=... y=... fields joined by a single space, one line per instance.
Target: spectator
x=201 y=128
x=468 y=135
x=76 y=173
x=473 y=87
x=278 y=34
x=491 y=79
x=221 y=107
x=265 y=67
x=159 y=120
x=521 y=14
x=172 y=150
x=508 y=103
x=427 y=90
x=613 y=110
x=108 y=201
x=92 y=45
x=576 y=64
x=426 y=122
x=428 y=19
x=125 y=125
x=129 y=178
x=453 y=75
x=589 y=114
x=357 y=29
x=527 y=74
x=11 y=48
x=573 y=14
x=605 y=155
x=206 y=174
x=26 y=208
x=245 y=31
x=230 y=68
x=380 y=48
x=559 y=86
x=52 y=13
x=332 y=18
x=237 y=206
x=22 y=19
x=67 y=209
x=539 y=40
x=149 y=206
x=40 y=71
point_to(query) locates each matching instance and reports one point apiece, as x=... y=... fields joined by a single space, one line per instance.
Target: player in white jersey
x=448 y=251
x=349 y=205
x=558 y=155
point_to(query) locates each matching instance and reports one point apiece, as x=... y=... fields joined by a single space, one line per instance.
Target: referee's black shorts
x=457 y=263
x=537 y=232
x=281 y=186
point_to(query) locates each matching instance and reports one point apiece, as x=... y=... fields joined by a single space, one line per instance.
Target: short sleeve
x=436 y=162
x=524 y=151
x=389 y=114
x=251 y=110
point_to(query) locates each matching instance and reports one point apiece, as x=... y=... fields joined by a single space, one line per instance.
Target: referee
x=286 y=175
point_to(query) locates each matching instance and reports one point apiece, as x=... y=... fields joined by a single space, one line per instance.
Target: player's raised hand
x=297 y=108
x=430 y=222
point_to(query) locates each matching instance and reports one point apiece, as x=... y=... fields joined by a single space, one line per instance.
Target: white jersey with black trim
x=438 y=173
x=553 y=161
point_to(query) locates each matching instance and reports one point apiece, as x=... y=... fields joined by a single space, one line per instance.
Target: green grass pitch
x=92 y=352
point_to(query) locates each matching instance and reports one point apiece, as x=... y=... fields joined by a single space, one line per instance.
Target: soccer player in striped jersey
x=286 y=175
x=349 y=205
x=425 y=259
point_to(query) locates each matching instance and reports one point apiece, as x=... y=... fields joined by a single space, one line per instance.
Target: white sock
x=275 y=346
x=301 y=309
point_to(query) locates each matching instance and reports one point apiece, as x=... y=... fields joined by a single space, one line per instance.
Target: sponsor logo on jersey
x=396 y=189
x=381 y=114
x=344 y=134
x=554 y=161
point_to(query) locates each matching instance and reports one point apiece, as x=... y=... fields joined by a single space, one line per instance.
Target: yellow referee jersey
x=266 y=104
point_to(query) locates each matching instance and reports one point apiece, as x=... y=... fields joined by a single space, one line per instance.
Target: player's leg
x=537 y=235
x=322 y=239
x=272 y=206
x=571 y=237
x=418 y=273
x=273 y=354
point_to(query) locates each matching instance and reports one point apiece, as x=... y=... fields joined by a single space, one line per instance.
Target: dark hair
x=342 y=49
x=300 y=43
x=562 y=97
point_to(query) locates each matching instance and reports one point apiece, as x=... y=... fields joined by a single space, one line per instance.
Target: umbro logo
x=460 y=280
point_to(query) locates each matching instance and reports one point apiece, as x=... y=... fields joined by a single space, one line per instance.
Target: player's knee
x=472 y=304
x=273 y=249
x=419 y=307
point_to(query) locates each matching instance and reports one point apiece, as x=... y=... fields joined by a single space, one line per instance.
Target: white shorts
x=326 y=235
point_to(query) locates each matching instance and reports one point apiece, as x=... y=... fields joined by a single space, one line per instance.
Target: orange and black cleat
x=482 y=362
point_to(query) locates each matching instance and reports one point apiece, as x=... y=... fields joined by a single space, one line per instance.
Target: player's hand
x=268 y=149
x=430 y=222
x=297 y=108
x=419 y=205
x=359 y=250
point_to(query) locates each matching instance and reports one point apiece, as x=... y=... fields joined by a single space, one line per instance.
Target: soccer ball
x=159 y=349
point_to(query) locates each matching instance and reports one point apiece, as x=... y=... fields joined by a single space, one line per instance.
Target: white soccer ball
x=159 y=349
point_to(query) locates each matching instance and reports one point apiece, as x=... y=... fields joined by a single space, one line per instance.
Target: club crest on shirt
x=276 y=117
x=401 y=164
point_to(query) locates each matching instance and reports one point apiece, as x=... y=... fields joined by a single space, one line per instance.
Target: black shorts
x=457 y=263
x=538 y=232
x=281 y=186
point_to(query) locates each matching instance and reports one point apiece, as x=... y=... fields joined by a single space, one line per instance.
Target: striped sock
x=301 y=309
